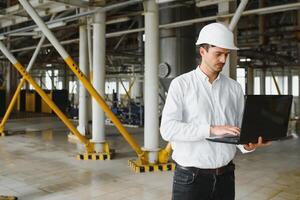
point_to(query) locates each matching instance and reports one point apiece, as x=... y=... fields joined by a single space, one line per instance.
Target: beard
x=219 y=67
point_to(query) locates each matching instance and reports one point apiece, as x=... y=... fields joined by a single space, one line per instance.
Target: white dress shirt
x=194 y=104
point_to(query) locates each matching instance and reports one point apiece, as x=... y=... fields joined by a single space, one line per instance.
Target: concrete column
x=84 y=67
x=151 y=137
x=231 y=62
x=250 y=80
x=99 y=79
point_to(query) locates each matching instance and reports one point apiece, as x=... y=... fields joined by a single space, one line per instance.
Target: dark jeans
x=191 y=185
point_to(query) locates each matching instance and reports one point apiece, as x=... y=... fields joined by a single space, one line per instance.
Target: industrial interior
x=83 y=84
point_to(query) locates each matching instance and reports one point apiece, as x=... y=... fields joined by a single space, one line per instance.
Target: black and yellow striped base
x=96 y=156
x=136 y=167
x=2 y=197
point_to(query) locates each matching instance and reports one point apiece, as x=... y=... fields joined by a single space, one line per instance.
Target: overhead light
x=53 y=25
x=49 y=65
x=245 y=59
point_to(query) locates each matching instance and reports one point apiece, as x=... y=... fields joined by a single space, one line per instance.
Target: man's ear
x=202 y=51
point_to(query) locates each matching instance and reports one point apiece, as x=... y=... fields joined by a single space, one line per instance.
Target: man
x=200 y=104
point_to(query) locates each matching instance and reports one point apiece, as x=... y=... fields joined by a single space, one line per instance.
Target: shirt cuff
x=243 y=150
x=206 y=131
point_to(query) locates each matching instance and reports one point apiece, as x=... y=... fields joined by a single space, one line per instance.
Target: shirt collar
x=203 y=76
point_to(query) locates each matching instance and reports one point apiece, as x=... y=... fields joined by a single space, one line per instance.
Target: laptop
x=264 y=115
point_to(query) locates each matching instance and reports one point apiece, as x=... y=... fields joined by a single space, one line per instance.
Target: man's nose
x=222 y=58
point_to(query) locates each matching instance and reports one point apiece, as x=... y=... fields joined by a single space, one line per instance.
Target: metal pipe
x=130 y=86
x=99 y=47
x=75 y=17
x=237 y=15
x=267 y=10
x=44 y=96
x=70 y=62
x=123 y=86
x=90 y=46
x=275 y=82
x=43 y=46
x=151 y=134
x=83 y=63
x=123 y=37
x=176 y=24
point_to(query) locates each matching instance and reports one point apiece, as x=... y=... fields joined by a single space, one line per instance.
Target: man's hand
x=224 y=129
x=251 y=146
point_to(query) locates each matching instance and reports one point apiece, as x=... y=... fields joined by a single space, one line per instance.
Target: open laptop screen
x=266 y=116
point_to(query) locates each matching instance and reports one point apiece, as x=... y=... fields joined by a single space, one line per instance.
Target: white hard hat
x=217 y=34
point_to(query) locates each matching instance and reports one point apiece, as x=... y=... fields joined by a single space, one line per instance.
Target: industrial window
x=110 y=86
x=256 y=85
x=73 y=87
x=121 y=88
x=295 y=85
x=282 y=82
x=48 y=81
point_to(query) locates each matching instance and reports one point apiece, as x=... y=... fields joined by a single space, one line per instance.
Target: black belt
x=218 y=171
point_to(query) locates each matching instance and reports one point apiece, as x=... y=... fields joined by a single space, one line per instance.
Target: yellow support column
x=163 y=162
x=4 y=197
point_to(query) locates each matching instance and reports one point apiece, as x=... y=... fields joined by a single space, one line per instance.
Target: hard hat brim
x=224 y=47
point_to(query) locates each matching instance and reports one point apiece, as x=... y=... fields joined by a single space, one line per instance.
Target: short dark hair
x=206 y=46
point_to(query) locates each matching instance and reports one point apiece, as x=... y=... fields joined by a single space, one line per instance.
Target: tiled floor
x=40 y=164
